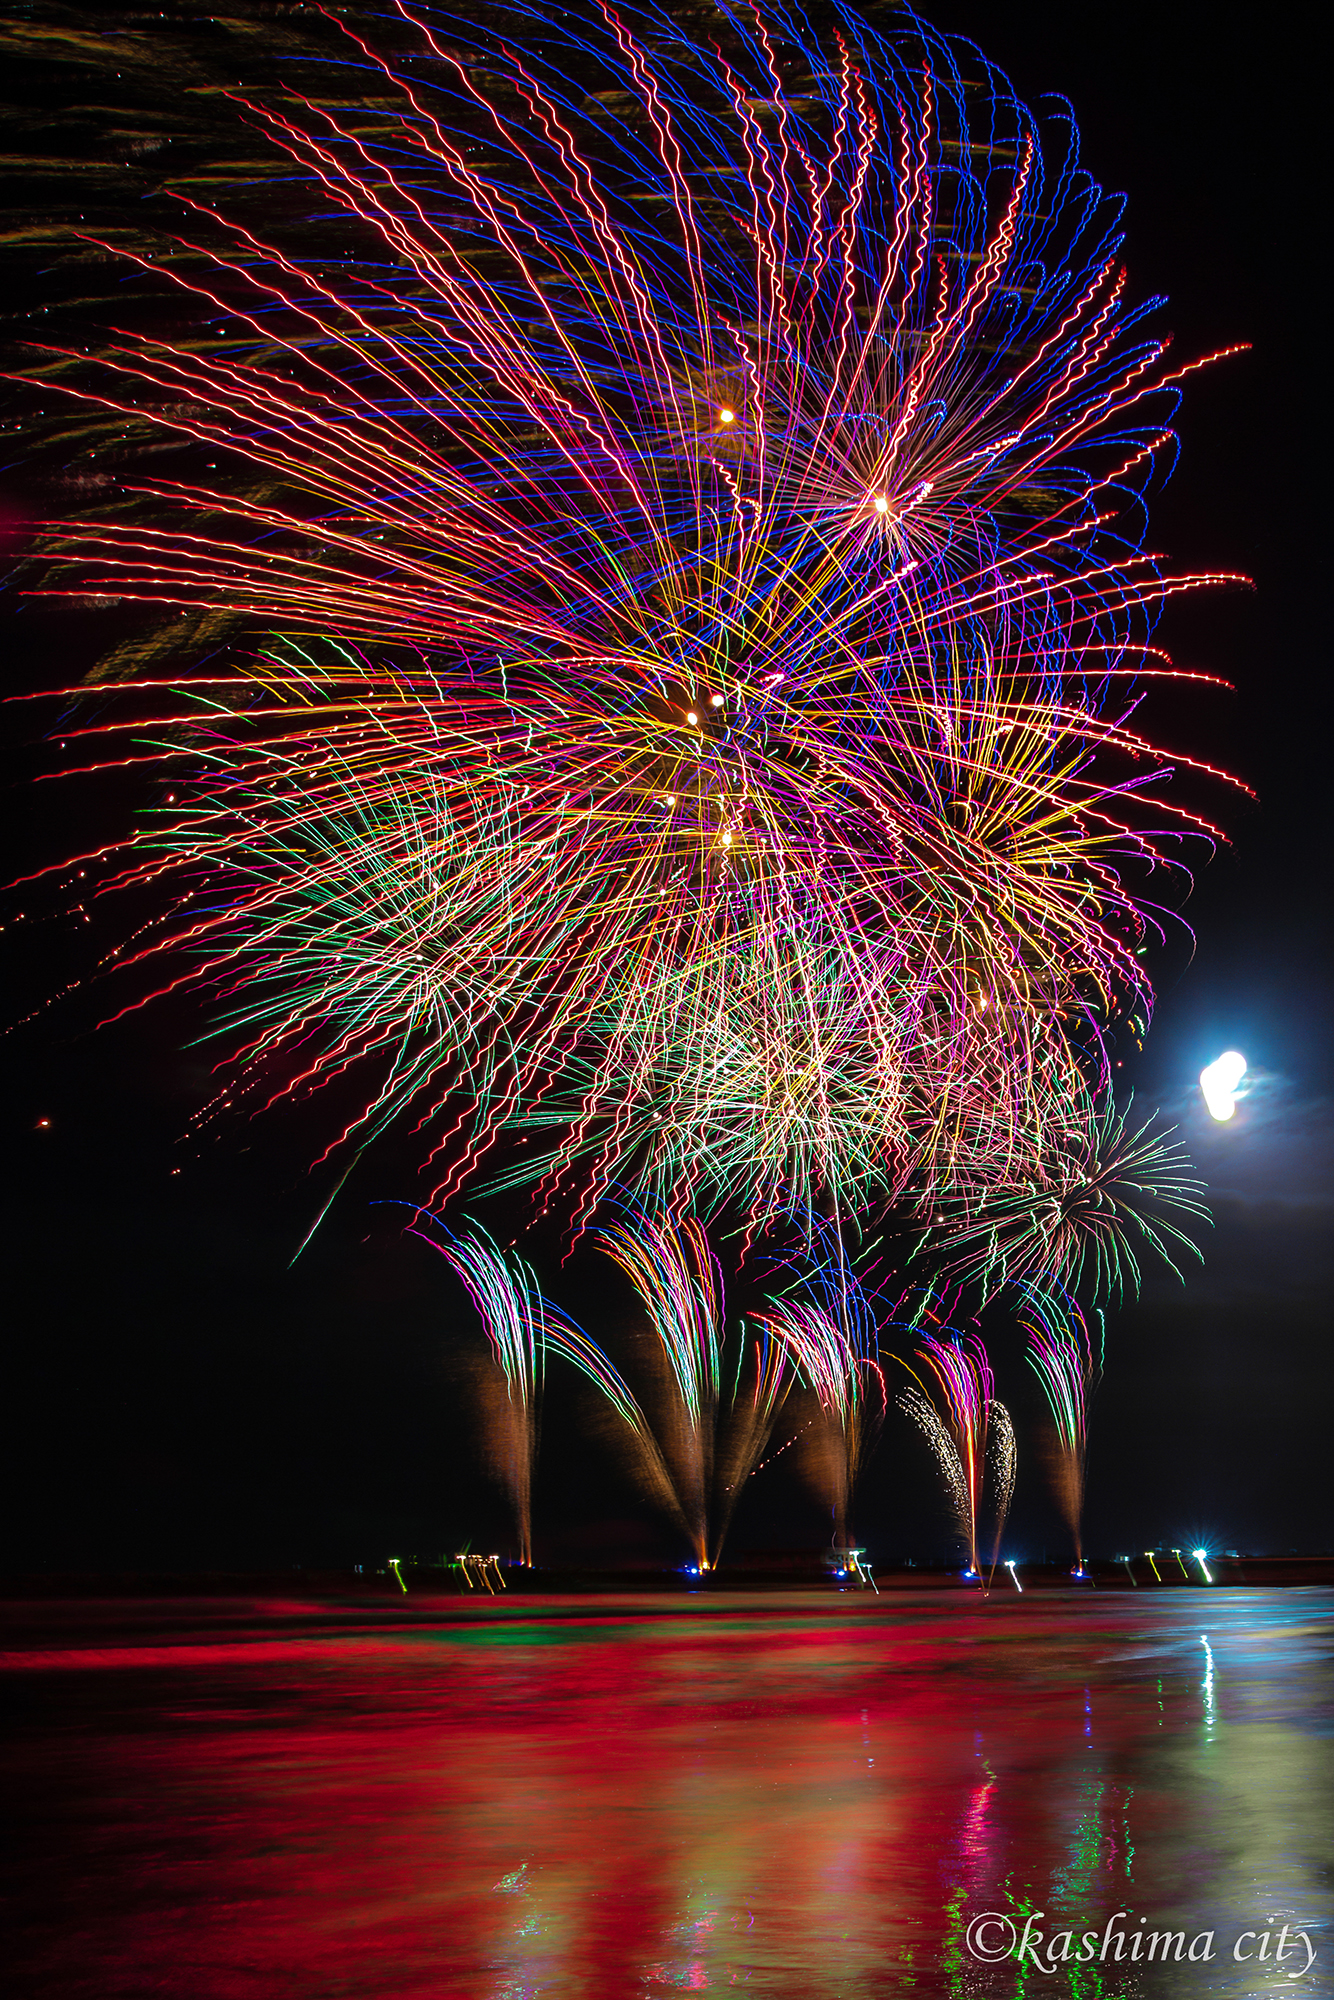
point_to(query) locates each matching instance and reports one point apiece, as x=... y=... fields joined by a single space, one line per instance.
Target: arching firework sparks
x=505 y=1294
x=956 y=1409
x=522 y=1328
x=762 y=1381
x=679 y=1284
x=828 y=1331
x=1004 y=1450
x=711 y=1431
x=1061 y=1352
x=703 y=513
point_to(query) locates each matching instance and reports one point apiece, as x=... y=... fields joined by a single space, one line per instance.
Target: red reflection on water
x=802 y=1797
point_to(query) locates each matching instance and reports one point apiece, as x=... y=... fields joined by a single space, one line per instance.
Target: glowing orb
x=1219 y=1083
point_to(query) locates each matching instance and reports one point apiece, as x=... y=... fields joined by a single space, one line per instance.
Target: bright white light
x=1219 y=1083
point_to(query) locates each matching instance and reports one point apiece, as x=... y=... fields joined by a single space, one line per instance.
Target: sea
x=606 y=1797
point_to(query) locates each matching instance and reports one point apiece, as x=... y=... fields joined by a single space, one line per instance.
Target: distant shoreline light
x=1219 y=1080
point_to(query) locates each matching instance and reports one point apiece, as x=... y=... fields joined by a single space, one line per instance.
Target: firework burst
x=1078 y=1201
x=703 y=512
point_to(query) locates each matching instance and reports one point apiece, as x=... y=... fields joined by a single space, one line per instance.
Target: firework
x=679 y=1284
x=1079 y=1195
x=828 y=1331
x=522 y=1328
x=1004 y=1452
x=918 y=1405
x=763 y=1378
x=702 y=510
x=710 y=1434
x=1061 y=1352
x=958 y=1374
x=504 y=1292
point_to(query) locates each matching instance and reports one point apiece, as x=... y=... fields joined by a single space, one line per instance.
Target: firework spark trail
x=917 y=1404
x=678 y=1281
x=763 y=1380
x=959 y=1375
x=712 y=506
x=819 y=1347
x=522 y=1328
x=505 y=1294
x=1093 y=1192
x=1061 y=1353
x=1004 y=1453
x=828 y=1330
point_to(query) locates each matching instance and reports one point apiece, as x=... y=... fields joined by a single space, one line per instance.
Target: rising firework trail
x=955 y=1407
x=1067 y=1362
x=522 y=1328
x=828 y=1331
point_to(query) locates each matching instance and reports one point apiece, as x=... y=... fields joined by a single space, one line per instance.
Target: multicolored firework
x=829 y=1334
x=709 y=1439
x=505 y=1293
x=679 y=1284
x=1093 y=1191
x=762 y=1381
x=680 y=578
x=522 y=1328
x=959 y=1374
x=694 y=538
x=1061 y=1354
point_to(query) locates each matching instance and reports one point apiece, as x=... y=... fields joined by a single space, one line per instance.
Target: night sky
x=178 y=1397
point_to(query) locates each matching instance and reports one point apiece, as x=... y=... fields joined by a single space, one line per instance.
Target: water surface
x=812 y=1797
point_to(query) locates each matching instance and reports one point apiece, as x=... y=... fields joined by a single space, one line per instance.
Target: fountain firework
x=974 y=1429
x=1061 y=1354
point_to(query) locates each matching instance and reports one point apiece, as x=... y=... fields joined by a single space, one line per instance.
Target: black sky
x=178 y=1397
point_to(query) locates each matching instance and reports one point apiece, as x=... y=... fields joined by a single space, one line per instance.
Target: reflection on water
x=803 y=1796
